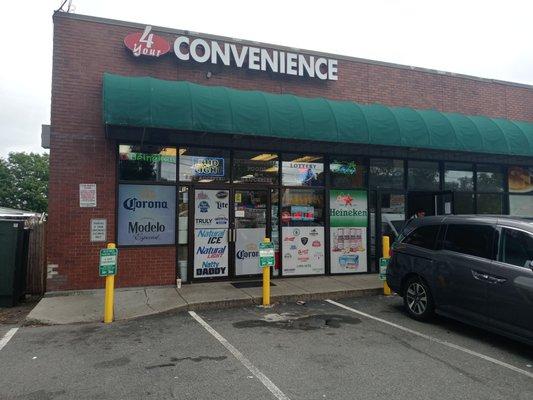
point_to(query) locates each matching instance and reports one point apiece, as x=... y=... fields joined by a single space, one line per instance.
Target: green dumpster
x=12 y=266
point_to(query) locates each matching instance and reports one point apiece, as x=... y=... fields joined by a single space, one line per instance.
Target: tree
x=24 y=181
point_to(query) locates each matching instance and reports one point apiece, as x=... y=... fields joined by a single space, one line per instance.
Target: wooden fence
x=36 y=257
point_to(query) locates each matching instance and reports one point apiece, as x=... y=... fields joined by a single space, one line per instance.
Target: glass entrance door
x=430 y=203
x=251 y=222
x=211 y=233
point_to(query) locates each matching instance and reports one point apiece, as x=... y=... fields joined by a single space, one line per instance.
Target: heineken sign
x=216 y=52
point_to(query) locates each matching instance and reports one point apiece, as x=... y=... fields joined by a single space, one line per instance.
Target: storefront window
x=423 y=175
x=387 y=174
x=255 y=167
x=147 y=163
x=302 y=170
x=204 y=165
x=463 y=203
x=521 y=206
x=302 y=220
x=489 y=178
x=392 y=216
x=146 y=215
x=302 y=207
x=274 y=233
x=489 y=204
x=183 y=230
x=347 y=172
x=520 y=179
x=458 y=177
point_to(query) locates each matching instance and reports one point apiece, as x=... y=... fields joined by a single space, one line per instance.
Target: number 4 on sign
x=147 y=37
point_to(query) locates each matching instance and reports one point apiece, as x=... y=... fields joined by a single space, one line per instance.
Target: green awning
x=154 y=103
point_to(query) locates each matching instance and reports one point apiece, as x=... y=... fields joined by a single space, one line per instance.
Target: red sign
x=146 y=44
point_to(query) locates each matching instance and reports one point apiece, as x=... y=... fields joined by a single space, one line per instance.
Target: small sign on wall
x=87 y=194
x=98 y=230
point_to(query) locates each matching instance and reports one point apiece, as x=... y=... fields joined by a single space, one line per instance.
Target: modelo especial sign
x=146 y=215
x=249 y=57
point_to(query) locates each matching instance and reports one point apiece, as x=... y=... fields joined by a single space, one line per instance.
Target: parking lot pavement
x=314 y=351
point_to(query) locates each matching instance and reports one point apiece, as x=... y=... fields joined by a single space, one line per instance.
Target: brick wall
x=79 y=153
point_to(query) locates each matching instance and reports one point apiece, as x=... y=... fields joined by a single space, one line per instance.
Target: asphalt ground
x=312 y=351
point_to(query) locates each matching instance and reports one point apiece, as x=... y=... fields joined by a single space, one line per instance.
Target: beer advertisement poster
x=348 y=231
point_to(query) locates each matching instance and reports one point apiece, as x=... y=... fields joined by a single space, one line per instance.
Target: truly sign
x=242 y=56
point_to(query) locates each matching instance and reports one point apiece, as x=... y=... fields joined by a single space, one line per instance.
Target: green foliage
x=24 y=181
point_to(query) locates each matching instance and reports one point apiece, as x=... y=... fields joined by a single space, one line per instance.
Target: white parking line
x=7 y=337
x=239 y=356
x=436 y=340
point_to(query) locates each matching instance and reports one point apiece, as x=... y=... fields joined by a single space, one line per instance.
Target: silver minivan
x=476 y=269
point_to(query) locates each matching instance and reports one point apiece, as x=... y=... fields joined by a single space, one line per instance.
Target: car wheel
x=417 y=299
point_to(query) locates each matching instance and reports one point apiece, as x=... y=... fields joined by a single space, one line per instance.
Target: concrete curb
x=230 y=303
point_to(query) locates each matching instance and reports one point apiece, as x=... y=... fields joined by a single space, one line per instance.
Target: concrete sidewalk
x=87 y=306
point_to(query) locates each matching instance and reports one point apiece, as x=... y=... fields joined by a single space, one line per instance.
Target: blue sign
x=146 y=215
x=208 y=166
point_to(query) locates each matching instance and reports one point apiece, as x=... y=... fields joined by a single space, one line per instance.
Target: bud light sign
x=146 y=215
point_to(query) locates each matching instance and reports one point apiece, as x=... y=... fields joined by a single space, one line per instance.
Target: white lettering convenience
x=255 y=58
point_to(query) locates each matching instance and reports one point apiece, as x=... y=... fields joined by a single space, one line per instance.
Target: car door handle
x=480 y=276
x=495 y=280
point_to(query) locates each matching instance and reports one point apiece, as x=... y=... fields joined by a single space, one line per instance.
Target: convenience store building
x=187 y=149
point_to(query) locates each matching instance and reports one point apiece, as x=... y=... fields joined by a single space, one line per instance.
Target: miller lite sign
x=146 y=43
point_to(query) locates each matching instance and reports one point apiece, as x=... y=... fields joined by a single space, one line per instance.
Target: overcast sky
x=491 y=39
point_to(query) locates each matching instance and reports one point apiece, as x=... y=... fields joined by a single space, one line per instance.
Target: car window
x=424 y=236
x=516 y=247
x=475 y=240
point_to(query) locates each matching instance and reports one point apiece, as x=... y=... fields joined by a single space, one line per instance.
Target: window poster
x=303 y=250
x=146 y=215
x=520 y=179
x=247 y=250
x=348 y=230
x=211 y=222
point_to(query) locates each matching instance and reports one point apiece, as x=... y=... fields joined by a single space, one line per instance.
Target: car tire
x=417 y=299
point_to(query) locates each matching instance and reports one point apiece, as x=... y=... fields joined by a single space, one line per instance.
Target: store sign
x=98 y=230
x=208 y=166
x=146 y=215
x=302 y=173
x=348 y=230
x=211 y=223
x=87 y=194
x=302 y=213
x=242 y=56
x=146 y=44
x=148 y=157
x=303 y=250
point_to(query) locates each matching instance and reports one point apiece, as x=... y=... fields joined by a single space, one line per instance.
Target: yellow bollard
x=386 y=254
x=266 y=281
x=109 y=293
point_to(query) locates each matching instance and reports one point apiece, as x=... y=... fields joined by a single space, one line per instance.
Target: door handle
x=480 y=276
x=495 y=280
